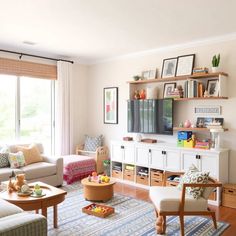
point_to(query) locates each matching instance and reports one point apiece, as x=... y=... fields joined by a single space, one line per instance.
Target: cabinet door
x=128 y=154
x=142 y=156
x=210 y=162
x=157 y=159
x=188 y=159
x=172 y=160
x=117 y=152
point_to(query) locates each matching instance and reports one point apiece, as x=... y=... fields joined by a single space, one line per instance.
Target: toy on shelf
x=142 y=94
x=186 y=139
x=187 y=124
x=136 y=95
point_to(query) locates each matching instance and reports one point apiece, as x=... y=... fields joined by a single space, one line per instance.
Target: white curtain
x=64 y=127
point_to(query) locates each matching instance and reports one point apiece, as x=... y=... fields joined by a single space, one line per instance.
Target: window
x=27 y=110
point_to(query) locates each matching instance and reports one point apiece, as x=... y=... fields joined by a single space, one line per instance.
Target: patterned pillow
x=92 y=143
x=194 y=176
x=4 y=160
x=16 y=160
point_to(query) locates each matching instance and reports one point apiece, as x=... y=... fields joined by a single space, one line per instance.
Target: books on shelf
x=193 y=88
x=200 y=70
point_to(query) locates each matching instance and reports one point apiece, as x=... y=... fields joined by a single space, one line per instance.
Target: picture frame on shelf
x=110 y=105
x=203 y=122
x=169 y=67
x=168 y=88
x=153 y=74
x=213 y=87
x=185 y=65
x=145 y=74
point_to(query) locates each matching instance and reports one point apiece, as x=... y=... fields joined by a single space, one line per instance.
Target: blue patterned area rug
x=132 y=217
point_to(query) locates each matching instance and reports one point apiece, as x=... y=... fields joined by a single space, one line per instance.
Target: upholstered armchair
x=173 y=201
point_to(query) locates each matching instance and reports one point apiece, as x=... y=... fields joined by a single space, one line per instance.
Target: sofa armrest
x=23 y=224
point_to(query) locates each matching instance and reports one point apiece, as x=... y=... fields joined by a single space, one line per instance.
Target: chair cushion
x=194 y=176
x=6 y=172
x=38 y=170
x=31 y=153
x=167 y=199
x=92 y=143
x=8 y=209
x=16 y=160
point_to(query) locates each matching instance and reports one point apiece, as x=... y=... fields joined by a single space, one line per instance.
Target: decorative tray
x=25 y=194
x=37 y=196
x=103 y=211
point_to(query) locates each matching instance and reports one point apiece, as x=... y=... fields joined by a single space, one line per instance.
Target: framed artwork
x=208 y=110
x=169 y=67
x=110 y=100
x=152 y=74
x=213 y=87
x=146 y=74
x=168 y=88
x=203 y=122
x=185 y=65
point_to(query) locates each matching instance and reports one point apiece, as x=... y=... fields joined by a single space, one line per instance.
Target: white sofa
x=49 y=171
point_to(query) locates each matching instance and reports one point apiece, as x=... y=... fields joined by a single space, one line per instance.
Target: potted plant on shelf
x=215 y=63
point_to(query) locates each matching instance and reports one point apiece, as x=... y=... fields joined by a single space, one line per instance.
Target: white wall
x=117 y=72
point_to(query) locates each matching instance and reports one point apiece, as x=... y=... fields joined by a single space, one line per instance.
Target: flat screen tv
x=151 y=116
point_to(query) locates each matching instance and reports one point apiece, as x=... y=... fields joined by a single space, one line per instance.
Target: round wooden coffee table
x=94 y=191
x=53 y=197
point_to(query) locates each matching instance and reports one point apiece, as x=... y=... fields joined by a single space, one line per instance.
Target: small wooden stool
x=94 y=191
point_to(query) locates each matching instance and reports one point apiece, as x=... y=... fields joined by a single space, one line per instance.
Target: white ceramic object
x=215 y=69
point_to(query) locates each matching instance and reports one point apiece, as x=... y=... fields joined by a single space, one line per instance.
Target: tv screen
x=150 y=116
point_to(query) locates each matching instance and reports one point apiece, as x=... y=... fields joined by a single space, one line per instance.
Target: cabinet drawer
x=156 y=174
x=117 y=174
x=142 y=179
x=129 y=175
x=155 y=182
x=171 y=183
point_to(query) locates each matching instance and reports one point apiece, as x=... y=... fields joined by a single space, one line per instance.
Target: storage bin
x=155 y=182
x=229 y=195
x=142 y=179
x=188 y=143
x=157 y=175
x=180 y=143
x=171 y=183
x=117 y=174
x=184 y=135
x=129 y=175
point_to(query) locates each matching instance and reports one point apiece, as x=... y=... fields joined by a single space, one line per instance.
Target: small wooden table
x=93 y=191
x=53 y=197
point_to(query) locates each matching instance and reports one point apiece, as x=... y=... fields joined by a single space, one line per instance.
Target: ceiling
x=95 y=30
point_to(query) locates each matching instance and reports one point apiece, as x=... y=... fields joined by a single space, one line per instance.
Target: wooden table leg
x=44 y=212
x=55 y=216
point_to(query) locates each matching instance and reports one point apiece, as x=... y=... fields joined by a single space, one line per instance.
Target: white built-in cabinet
x=163 y=156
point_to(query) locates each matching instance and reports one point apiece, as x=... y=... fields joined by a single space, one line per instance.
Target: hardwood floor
x=222 y=213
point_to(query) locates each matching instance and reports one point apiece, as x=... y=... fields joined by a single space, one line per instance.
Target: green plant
x=136 y=77
x=216 y=60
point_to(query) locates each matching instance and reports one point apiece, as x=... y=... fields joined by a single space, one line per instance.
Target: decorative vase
x=215 y=69
x=187 y=124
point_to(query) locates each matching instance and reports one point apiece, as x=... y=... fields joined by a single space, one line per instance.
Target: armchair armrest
x=213 y=184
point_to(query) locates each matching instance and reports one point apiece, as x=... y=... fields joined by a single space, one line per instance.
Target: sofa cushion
x=8 y=209
x=38 y=170
x=6 y=172
x=4 y=162
x=168 y=199
x=16 y=159
x=31 y=153
x=92 y=143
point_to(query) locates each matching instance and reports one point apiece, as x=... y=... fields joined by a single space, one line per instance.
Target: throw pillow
x=194 y=176
x=31 y=154
x=4 y=160
x=92 y=143
x=16 y=160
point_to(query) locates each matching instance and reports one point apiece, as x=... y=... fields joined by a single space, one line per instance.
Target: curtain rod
x=31 y=55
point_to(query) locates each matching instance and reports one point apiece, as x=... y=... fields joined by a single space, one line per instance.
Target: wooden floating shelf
x=162 y=80
x=193 y=129
x=199 y=98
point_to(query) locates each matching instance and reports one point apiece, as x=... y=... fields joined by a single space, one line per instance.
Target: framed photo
x=152 y=74
x=168 y=88
x=213 y=87
x=203 y=122
x=146 y=74
x=185 y=65
x=169 y=67
x=208 y=110
x=110 y=100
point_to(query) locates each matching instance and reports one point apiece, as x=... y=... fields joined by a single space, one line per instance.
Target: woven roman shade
x=29 y=69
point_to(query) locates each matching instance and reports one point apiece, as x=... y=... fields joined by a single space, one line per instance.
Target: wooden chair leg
x=164 y=224
x=213 y=216
x=159 y=224
x=181 y=219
